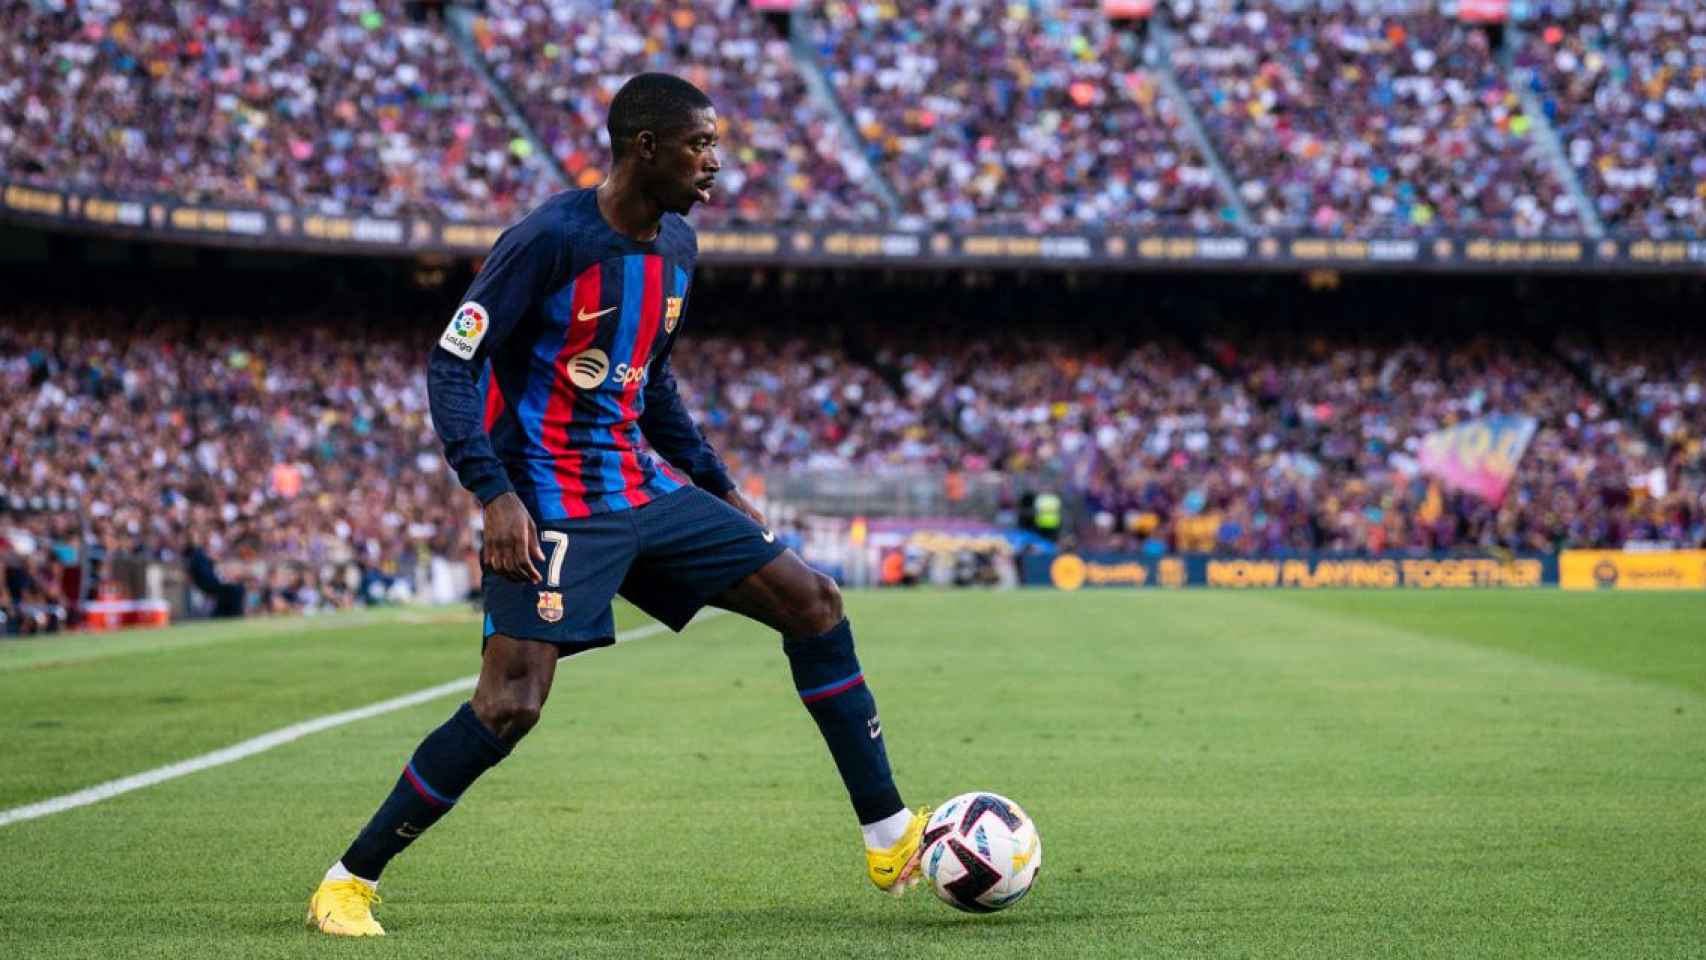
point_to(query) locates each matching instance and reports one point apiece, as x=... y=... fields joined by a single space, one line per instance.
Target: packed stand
x=39 y=536
x=1038 y=115
x=1275 y=445
x=1625 y=84
x=1664 y=394
x=1353 y=124
x=768 y=404
x=333 y=107
x=310 y=476
x=1280 y=446
x=784 y=160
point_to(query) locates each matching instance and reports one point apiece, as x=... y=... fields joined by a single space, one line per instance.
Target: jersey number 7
x=559 y=542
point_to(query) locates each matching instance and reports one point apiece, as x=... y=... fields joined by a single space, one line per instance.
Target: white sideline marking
x=263 y=743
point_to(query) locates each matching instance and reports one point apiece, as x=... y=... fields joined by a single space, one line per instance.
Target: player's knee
x=822 y=610
x=509 y=714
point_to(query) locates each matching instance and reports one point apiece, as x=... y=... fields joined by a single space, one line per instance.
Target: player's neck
x=627 y=209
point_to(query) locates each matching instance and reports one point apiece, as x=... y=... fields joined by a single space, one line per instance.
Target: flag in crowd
x=1478 y=456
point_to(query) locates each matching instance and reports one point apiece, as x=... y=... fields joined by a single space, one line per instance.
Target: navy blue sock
x=446 y=762
x=827 y=675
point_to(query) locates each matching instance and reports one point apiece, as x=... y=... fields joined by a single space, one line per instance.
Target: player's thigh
x=585 y=561
x=786 y=595
x=693 y=548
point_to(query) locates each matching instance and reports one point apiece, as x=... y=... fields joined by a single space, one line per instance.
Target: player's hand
x=740 y=503
x=512 y=542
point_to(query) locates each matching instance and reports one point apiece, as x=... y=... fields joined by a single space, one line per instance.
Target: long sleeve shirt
x=557 y=364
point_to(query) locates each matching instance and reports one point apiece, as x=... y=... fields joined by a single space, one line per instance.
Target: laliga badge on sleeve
x=467 y=328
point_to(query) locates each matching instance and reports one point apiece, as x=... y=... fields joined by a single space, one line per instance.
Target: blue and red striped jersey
x=557 y=363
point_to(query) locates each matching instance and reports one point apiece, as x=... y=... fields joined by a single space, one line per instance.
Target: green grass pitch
x=1214 y=775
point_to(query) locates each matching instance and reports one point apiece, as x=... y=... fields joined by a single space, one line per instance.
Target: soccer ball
x=981 y=852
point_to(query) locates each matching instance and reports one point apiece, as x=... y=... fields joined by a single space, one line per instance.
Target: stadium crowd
x=1274 y=446
x=36 y=546
x=1662 y=392
x=1038 y=114
x=309 y=476
x=783 y=158
x=1352 y=123
x=1625 y=84
x=331 y=107
x=1329 y=118
x=1257 y=443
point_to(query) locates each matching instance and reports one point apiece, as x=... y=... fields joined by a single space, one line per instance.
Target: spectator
x=1038 y=115
x=337 y=107
x=1625 y=83
x=783 y=158
x=292 y=479
x=1345 y=123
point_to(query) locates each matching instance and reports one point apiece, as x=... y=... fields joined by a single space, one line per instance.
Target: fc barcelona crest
x=550 y=606
x=671 y=314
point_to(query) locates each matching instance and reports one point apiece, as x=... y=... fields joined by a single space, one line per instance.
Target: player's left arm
x=670 y=429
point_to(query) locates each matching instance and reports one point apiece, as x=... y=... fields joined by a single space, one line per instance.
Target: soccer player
x=541 y=388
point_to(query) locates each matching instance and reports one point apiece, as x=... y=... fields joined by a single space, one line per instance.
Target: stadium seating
x=783 y=159
x=1329 y=120
x=1626 y=85
x=1663 y=394
x=1355 y=124
x=326 y=107
x=1025 y=114
x=32 y=545
x=791 y=405
x=302 y=473
x=1250 y=441
x=292 y=468
x=1276 y=448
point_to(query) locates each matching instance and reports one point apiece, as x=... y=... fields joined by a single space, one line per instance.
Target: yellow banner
x=1617 y=570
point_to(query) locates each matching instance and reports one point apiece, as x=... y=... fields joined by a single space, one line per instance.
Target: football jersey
x=556 y=364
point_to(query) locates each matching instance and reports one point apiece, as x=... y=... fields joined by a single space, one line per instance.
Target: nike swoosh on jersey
x=769 y=537
x=583 y=316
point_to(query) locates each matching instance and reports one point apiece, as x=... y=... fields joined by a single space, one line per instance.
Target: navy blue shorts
x=668 y=557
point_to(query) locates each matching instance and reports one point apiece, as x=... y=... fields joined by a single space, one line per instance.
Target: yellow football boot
x=895 y=870
x=344 y=908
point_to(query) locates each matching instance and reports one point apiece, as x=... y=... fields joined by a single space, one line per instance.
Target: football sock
x=341 y=872
x=888 y=831
x=827 y=675
x=446 y=762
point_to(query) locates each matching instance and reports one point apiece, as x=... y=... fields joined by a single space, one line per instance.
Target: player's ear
x=646 y=145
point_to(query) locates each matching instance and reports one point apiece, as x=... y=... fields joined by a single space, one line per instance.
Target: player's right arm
x=518 y=272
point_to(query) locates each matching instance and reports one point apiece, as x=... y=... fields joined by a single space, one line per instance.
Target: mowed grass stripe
x=231 y=754
x=1213 y=775
x=91 y=721
x=62 y=650
x=255 y=745
x=1655 y=637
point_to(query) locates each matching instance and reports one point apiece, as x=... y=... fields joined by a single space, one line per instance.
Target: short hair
x=651 y=101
